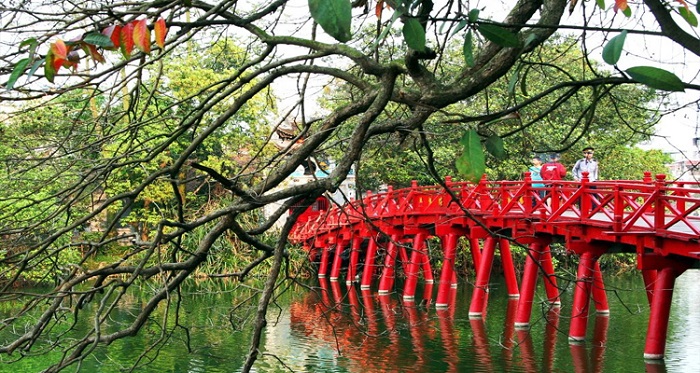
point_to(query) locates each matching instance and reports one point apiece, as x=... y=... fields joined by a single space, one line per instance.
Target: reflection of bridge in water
x=655 y=219
x=383 y=334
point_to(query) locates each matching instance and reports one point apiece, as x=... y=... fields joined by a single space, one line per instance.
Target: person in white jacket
x=586 y=164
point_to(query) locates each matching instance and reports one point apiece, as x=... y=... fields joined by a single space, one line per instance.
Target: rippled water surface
x=328 y=327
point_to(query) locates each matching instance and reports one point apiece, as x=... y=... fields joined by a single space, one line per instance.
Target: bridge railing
x=625 y=206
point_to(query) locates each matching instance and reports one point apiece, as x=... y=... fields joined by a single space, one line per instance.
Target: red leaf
x=378 y=9
x=114 y=34
x=126 y=38
x=57 y=63
x=142 y=36
x=59 y=49
x=95 y=54
x=620 y=4
x=161 y=30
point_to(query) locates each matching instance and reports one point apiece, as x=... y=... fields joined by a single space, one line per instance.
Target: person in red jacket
x=553 y=170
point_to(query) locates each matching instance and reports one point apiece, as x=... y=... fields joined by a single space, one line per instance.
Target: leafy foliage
x=170 y=157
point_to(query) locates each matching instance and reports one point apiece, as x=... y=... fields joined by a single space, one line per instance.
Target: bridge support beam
x=475 y=248
x=582 y=293
x=549 y=278
x=528 y=285
x=337 y=261
x=449 y=248
x=323 y=266
x=414 y=265
x=370 y=266
x=600 y=297
x=483 y=275
x=508 y=268
x=355 y=248
x=660 y=311
x=386 y=281
x=649 y=276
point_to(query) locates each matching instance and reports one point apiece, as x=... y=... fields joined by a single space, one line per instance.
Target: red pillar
x=483 y=275
x=508 y=268
x=409 y=289
x=337 y=261
x=600 y=297
x=425 y=265
x=582 y=293
x=549 y=278
x=370 y=258
x=354 y=259
x=527 y=286
x=388 y=273
x=660 y=311
x=649 y=276
x=476 y=252
x=323 y=266
x=449 y=249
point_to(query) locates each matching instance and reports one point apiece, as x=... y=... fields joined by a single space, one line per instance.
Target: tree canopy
x=110 y=106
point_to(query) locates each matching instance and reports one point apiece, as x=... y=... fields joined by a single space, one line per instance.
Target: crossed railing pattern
x=633 y=207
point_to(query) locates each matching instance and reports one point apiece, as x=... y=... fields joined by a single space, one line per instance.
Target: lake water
x=326 y=327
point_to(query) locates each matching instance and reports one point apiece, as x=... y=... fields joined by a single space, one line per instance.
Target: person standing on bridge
x=590 y=165
x=553 y=170
x=586 y=164
x=536 y=176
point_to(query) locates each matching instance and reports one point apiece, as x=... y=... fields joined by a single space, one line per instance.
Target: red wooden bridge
x=656 y=219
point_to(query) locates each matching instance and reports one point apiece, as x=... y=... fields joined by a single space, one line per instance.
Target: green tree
x=149 y=133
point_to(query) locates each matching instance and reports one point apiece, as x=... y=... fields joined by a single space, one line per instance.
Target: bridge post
x=370 y=266
x=483 y=275
x=355 y=248
x=323 y=266
x=649 y=276
x=386 y=281
x=475 y=249
x=449 y=249
x=409 y=289
x=337 y=261
x=549 y=278
x=528 y=284
x=508 y=268
x=582 y=294
x=600 y=297
x=660 y=311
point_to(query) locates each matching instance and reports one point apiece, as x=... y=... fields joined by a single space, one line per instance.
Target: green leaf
x=474 y=15
x=688 y=16
x=499 y=35
x=530 y=39
x=613 y=49
x=334 y=16
x=494 y=145
x=414 y=34
x=627 y=12
x=513 y=81
x=472 y=163
x=601 y=4
x=397 y=14
x=49 y=69
x=34 y=68
x=98 y=39
x=460 y=26
x=523 y=82
x=468 y=49
x=656 y=78
x=16 y=73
